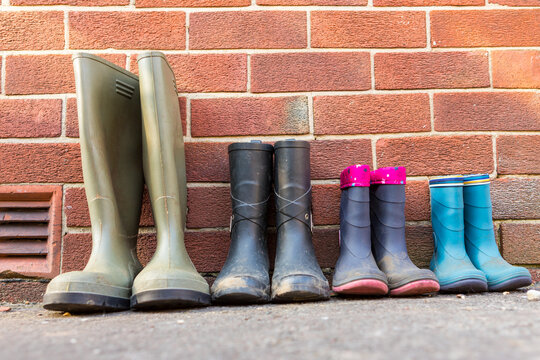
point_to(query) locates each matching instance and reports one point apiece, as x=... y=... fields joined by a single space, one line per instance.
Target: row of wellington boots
x=373 y=257
x=130 y=132
x=466 y=256
x=297 y=276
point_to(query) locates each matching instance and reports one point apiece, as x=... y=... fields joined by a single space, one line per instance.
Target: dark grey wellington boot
x=109 y=113
x=244 y=278
x=169 y=280
x=297 y=275
x=387 y=204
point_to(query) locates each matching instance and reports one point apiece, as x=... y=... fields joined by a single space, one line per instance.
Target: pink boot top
x=388 y=175
x=355 y=175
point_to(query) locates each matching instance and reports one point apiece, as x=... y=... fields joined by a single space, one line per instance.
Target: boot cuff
x=476 y=179
x=389 y=175
x=450 y=180
x=250 y=146
x=355 y=175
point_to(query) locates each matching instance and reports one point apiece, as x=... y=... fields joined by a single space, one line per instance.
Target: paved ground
x=490 y=326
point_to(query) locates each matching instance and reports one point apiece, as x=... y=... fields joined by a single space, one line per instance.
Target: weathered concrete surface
x=489 y=326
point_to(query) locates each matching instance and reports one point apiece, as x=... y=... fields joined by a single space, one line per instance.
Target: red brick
x=72 y=122
x=516 y=198
x=249 y=116
x=425 y=70
x=161 y=30
x=312 y=2
x=417 y=204
x=427 y=2
x=419 y=244
x=70 y=2
x=518 y=154
x=521 y=242
x=330 y=157
x=437 y=155
x=368 y=29
x=209 y=206
x=30 y=118
x=44 y=74
x=473 y=28
x=326 y=200
x=248 y=30
x=207 y=72
x=31 y=30
x=516 y=68
x=310 y=72
x=207 y=161
x=22 y=291
x=487 y=111
x=191 y=3
x=34 y=163
x=370 y=114
x=516 y=2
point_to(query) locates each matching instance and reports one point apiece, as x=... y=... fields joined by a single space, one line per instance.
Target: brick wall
x=439 y=86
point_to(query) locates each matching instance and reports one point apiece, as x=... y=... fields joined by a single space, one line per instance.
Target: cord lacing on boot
x=257 y=218
x=300 y=211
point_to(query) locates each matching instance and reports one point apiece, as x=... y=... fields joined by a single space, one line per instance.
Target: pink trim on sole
x=416 y=288
x=389 y=175
x=362 y=287
x=355 y=175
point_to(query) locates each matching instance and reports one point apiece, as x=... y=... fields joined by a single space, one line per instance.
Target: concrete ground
x=485 y=326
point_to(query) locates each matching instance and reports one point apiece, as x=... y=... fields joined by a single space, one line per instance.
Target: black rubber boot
x=244 y=278
x=297 y=275
x=356 y=271
x=387 y=205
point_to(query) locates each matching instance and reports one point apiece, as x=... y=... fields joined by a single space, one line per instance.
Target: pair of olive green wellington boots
x=130 y=133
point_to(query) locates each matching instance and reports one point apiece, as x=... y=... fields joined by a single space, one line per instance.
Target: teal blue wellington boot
x=480 y=239
x=450 y=262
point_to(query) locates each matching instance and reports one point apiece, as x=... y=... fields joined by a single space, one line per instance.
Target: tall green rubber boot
x=480 y=239
x=111 y=149
x=169 y=280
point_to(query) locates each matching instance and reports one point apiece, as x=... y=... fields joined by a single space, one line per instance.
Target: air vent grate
x=124 y=89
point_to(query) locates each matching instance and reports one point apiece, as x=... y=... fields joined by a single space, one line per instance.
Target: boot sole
x=466 y=286
x=414 y=288
x=362 y=287
x=241 y=296
x=301 y=293
x=164 y=299
x=512 y=284
x=75 y=302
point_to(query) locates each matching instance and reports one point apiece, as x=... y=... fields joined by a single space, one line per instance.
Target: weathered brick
x=312 y=2
x=191 y=3
x=427 y=2
x=518 y=154
x=22 y=291
x=44 y=74
x=417 y=204
x=326 y=200
x=248 y=30
x=70 y=2
x=33 y=163
x=249 y=116
x=330 y=157
x=310 y=72
x=30 y=118
x=369 y=114
x=207 y=161
x=437 y=155
x=368 y=29
x=521 y=242
x=72 y=122
x=516 y=198
x=419 y=244
x=425 y=70
x=201 y=200
x=474 y=28
x=31 y=30
x=161 y=30
x=516 y=2
x=516 y=68
x=504 y=111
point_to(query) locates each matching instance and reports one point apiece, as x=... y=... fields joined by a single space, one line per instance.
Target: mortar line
x=428 y=29
x=128 y=62
x=374 y=152
x=63 y=117
x=188 y=16
x=66 y=30
x=494 y=150
x=188 y=119
x=311 y=116
x=3 y=75
x=431 y=111
x=308 y=28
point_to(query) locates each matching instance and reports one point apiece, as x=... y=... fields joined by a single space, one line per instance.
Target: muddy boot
x=356 y=272
x=297 y=275
x=450 y=262
x=387 y=208
x=244 y=278
x=109 y=112
x=169 y=280
x=480 y=239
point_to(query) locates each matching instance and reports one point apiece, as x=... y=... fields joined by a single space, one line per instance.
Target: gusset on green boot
x=480 y=239
x=169 y=280
x=111 y=150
